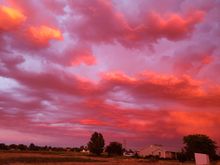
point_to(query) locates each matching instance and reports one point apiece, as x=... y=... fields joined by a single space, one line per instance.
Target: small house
x=159 y=151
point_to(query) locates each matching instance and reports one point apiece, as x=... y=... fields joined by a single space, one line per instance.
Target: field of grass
x=73 y=158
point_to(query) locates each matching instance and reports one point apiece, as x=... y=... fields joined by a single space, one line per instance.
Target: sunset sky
x=144 y=71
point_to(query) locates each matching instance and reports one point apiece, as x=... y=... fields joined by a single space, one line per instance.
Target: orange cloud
x=43 y=34
x=118 y=78
x=10 y=18
x=182 y=89
x=92 y=122
x=157 y=85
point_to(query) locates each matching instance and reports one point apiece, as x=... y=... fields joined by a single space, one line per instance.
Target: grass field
x=73 y=158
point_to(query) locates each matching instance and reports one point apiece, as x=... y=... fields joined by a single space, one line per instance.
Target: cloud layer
x=147 y=76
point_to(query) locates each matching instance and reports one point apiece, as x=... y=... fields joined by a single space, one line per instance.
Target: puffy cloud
x=152 y=86
x=11 y=18
x=173 y=27
x=74 y=56
x=151 y=29
x=91 y=27
x=43 y=34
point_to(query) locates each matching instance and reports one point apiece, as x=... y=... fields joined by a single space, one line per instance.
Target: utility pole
x=125 y=144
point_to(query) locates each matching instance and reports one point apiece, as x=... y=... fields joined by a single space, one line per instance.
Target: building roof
x=161 y=147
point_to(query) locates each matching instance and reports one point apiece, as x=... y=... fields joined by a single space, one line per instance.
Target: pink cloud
x=80 y=54
x=193 y=59
x=174 y=27
x=151 y=29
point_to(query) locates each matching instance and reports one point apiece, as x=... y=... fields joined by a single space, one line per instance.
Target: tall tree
x=32 y=147
x=198 y=143
x=96 y=143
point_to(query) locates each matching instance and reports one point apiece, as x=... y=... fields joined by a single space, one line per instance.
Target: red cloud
x=146 y=123
x=45 y=97
x=10 y=18
x=196 y=122
x=93 y=111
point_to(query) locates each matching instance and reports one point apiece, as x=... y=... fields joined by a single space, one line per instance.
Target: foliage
x=32 y=147
x=198 y=143
x=181 y=157
x=22 y=147
x=13 y=146
x=3 y=146
x=96 y=143
x=75 y=149
x=114 y=148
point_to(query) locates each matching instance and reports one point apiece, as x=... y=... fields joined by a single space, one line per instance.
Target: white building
x=201 y=159
x=160 y=151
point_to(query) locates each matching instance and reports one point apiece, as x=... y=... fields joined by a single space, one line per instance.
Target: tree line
x=33 y=147
x=196 y=143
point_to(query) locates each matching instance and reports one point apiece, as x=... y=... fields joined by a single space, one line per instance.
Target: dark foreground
x=73 y=158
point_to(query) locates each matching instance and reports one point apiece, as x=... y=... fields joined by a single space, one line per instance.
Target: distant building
x=129 y=153
x=85 y=151
x=159 y=151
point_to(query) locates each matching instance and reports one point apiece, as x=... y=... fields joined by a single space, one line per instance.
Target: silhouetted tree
x=75 y=149
x=181 y=156
x=45 y=148
x=3 y=146
x=198 y=143
x=32 y=147
x=114 y=148
x=96 y=143
x=13 y=146
x=22 y=147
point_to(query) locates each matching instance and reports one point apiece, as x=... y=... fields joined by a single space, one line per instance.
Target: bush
x=181 y=157
x=114 y=148
x=3 y=146
x=198 y=143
